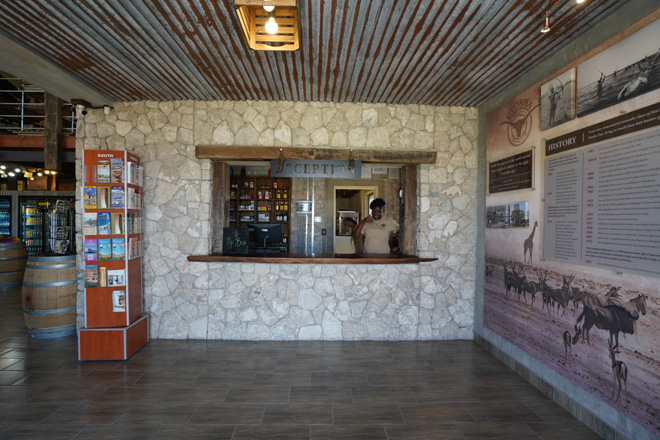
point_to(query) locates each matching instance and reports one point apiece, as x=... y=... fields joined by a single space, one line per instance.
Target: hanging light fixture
x=269 y=24
x=579 y=1
x=546 y=24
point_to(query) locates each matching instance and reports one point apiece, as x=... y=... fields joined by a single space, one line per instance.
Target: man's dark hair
x=377 y=203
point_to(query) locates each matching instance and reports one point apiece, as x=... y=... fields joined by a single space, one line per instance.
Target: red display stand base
x=114 y=343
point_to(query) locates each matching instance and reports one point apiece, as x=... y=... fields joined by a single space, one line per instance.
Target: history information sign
x=602 y=205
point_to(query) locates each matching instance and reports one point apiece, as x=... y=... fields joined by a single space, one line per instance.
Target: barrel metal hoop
x=46 y=259
x=50 y=266
x=54 y=284
x=49 y=312
x=10 y=273
x=24 y=257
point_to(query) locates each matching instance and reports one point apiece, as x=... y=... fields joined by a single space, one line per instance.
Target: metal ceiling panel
x=427 y=52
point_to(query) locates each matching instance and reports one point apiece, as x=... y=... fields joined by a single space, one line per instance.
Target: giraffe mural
x=529 y=245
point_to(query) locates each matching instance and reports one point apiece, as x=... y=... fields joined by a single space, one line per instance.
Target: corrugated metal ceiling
x=432 y=52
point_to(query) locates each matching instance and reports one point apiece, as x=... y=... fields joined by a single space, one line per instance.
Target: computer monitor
x=266 y=233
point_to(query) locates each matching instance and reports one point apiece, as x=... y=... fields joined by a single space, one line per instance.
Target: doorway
x=349 y=200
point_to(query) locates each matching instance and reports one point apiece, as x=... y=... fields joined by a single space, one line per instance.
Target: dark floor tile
x=10 y=377
x=338 y=379
x=110 y=377
x=86 y=413
x=50 y=432
x=69 y=394
x=298 y=414
x=197 y=432
x=32 y=413
x=347 y=365
x=501 y=412
x=367 y=414
x=168 y=378
x=435 y=413
x=7 y=362
x=382 y=394
x=19 y=394
x=197 y=394
x=549 y=411
x=449 y=393
x=129 y=394
x=251 y=365
x=424 y=431
x=406 y=366
x=157 y=414
x=228 y=415
x=396 y=379
x=258 y=395
x=497 y=431
x=301 y=365
x=566 y=430
x=500 y=393
x=272 y=432
x=321 y=394
x=348 y=432
x=282 y=379
x=225 y=379
x=118 y=432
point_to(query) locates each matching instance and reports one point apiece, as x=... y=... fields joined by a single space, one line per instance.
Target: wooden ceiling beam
x=32 y=142
x=267 y=153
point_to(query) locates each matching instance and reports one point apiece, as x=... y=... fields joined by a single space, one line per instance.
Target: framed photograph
x=519 y=215
x=557 y=100
x=497 y=216
x=628 y=69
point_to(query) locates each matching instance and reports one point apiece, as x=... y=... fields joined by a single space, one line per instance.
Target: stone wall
x=288 y=302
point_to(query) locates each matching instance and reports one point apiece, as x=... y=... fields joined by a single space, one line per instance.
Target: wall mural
x=596 y=327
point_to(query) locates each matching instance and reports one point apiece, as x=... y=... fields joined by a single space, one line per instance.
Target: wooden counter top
x=311 y=259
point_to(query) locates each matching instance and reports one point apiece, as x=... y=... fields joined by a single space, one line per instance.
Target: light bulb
x=47 y=172
x=269 y=8
x=39 y=174
x=11 y=174
x=579 y=1
x=53 y=172
x=18 y=170
x=271 y=26
x=2 y=167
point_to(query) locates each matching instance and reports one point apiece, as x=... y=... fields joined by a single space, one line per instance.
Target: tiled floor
x=274 y=390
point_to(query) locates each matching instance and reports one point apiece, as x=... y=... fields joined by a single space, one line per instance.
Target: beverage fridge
x=46 y=224
x=5 y=215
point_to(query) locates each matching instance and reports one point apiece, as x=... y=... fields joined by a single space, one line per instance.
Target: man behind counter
x=377 y=230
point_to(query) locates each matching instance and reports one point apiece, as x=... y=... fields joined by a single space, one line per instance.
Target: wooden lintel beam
x=31 y=142
x=267 y=153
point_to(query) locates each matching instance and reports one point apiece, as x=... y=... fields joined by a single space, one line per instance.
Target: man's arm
x=357 y=232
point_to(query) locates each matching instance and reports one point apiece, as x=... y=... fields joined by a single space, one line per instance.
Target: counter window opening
x=246 y=194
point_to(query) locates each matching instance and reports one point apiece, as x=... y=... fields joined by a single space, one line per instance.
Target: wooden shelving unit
x=115 y=323
x=260 y=200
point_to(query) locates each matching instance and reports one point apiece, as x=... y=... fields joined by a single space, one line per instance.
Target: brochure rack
x=115 y=323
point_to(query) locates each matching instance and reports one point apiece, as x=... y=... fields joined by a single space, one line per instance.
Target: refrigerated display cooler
x=5 y=215
x=46 y=224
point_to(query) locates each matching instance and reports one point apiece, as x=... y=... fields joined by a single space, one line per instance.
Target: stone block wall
x=295 y=302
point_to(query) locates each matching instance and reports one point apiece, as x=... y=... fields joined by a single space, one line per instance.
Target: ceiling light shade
x=274 y=30
x=269 y=8
x=546 y=24
x=18 y=170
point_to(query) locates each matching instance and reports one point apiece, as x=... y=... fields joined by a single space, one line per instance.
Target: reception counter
x=311 y=259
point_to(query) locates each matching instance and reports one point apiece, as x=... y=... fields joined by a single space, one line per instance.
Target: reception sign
x=326 y=169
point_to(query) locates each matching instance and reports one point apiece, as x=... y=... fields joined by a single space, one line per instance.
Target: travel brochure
x=103 y=249
x=96 y=276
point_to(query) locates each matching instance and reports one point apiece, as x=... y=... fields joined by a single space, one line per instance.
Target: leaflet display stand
x=115 y=323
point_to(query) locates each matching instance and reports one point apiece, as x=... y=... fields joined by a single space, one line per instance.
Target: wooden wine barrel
x=49 y=296
x=13 y=257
